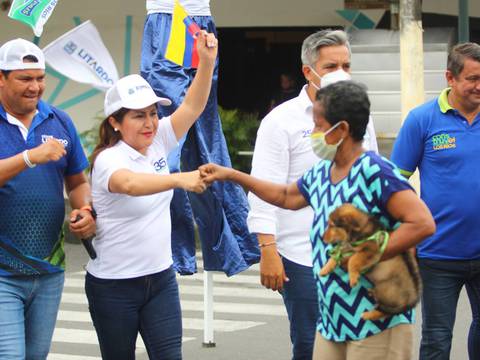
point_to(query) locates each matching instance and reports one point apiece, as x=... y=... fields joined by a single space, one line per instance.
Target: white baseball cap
x=131 y=92
x=13 y=53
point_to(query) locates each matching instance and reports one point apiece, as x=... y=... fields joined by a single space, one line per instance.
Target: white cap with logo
x=131 y=92
x=13 y=53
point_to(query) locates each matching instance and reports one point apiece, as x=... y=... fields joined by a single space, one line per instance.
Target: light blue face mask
x=320 y=147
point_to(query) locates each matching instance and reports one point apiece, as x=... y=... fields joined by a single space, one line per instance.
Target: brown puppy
x=397 y=284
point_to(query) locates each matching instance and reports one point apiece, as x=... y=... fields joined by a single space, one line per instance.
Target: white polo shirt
x=133 y=232
x=282 y=155
x=192 y=7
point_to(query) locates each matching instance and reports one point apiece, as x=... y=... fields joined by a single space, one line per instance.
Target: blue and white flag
x=81 y=55
x=34 y=13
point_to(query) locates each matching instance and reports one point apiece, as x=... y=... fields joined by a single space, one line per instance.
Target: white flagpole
x=208 y=340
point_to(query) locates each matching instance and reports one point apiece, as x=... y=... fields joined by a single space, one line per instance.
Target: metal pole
x=463 y=22
x=208 y=309
x=411 y=61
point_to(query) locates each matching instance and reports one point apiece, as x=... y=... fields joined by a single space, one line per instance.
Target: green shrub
x=89 y=138
x=240 y=130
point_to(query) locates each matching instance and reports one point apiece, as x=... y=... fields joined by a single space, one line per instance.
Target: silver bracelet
x=27 y=160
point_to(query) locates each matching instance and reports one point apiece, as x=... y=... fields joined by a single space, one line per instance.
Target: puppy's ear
x=352 y=218
x=360 y=221
x=354 y=223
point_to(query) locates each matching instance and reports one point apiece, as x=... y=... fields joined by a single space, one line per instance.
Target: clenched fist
x=207 y=47
x=51 y=150
x=191 y=181
x=213 y=172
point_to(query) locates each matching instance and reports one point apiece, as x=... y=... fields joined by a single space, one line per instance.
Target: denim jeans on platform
x=442 y=283
x=28 y=311
x=301 y=301
x=150 y=304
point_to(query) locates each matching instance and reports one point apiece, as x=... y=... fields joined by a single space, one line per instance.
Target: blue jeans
x=301 y=301
x=28 y=311
x=120 y=309
x=442 y=283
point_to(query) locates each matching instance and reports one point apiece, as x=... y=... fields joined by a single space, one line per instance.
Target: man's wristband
x=267 y=244
x=27 y=160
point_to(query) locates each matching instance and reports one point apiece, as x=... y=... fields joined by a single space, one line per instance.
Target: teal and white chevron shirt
x=369 y=185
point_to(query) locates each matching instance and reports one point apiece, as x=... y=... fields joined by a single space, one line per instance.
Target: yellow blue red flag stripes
x=182 y=44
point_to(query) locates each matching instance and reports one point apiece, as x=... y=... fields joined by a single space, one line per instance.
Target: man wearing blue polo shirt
x=39 y=152
x=442 y=139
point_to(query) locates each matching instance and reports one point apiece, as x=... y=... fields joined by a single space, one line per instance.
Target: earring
x=115 y=129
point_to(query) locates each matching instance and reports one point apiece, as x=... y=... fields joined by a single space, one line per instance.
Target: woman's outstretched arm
x=284 y=196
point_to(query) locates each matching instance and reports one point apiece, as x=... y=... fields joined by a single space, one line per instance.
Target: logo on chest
x=45 y=138
x=306 y=133
x=443 y=142
x=160 y=164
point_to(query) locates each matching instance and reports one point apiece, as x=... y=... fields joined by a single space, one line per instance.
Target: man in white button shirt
x=282 y=154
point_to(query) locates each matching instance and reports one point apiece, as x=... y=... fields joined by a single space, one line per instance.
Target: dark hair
x=348 y=101
x=30 y=59
x=457 y=55
x=27 y=59
x=107 y=136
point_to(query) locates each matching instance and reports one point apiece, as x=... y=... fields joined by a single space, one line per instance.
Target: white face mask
x=320 y=147
x=330 y=78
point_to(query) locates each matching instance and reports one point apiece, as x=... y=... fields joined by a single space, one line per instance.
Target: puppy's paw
x=328 y=267
x=325 y=271
x=354 y=279
x=373 y=315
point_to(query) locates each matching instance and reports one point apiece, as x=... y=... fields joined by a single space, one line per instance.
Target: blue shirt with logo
x=32 y=207
x=438 y=140
x=370 y=183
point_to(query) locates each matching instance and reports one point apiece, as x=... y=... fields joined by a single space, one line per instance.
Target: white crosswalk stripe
x=192 y=305
x=233 y=297
x=189 y=287
x=53 y=356
x=188 y=323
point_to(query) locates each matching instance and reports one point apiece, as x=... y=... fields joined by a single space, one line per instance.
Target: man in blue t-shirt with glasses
x=442 y=139
x=40 y=152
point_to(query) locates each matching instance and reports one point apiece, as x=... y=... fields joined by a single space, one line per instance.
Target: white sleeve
x=165 y=136
x=106 y=163
x=370 y=138
x=270 y=162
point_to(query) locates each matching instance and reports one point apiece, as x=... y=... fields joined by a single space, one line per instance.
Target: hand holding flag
x=182 y=46
x=207 y=47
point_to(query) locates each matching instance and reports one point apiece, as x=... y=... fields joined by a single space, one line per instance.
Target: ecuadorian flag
x=182 y=46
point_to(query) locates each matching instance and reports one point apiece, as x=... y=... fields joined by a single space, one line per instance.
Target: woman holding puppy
x=372 y=184
x=131 y=285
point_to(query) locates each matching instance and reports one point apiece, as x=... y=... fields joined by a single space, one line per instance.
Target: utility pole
x=411 y=55
x=463 y=22
x=411 y=62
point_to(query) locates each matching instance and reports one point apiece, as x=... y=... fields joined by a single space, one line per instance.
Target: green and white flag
x=34 y=13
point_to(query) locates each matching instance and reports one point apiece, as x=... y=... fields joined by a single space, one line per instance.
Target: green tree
x=240 y=130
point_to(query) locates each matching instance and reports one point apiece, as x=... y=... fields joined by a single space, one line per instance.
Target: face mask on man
x=320 y=147
x=330 y=78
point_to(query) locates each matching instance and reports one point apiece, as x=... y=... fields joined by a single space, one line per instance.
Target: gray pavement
x=251 y=323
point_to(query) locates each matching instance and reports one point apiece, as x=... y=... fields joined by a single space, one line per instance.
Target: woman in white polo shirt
x=131 y=285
